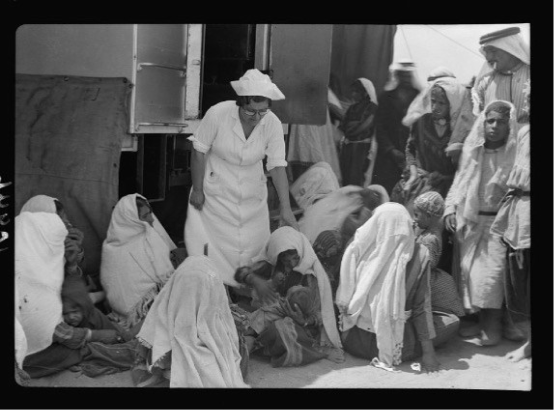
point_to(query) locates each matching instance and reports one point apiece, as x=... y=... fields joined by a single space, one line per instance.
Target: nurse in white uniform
x=228 y=207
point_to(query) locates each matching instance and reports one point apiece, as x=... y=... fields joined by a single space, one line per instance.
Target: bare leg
x=491 y=332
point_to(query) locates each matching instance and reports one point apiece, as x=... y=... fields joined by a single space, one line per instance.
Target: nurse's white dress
x=234 y=220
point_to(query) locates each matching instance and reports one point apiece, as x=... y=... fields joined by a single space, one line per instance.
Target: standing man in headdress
x=399 y=92
x=506 y=71
x=502 y=77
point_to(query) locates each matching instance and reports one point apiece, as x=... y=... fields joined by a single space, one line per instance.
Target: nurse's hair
x=243 y=100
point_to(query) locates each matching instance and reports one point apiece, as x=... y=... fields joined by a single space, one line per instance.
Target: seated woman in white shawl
x=296 y=324
x=75 y=253
x=189 y=335
x=135 y=260
x=384 y=296
x=39 y=274
x=44 y=296
x=331 y=222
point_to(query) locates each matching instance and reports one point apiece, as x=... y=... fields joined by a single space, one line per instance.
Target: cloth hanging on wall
x=68 y=136
x=361 y=50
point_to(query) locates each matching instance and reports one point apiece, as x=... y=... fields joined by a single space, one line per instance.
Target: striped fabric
x=432 y=240
x=508 y=87
x=444 y=294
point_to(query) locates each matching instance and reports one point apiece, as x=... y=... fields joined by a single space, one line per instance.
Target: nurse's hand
x=450 y=223
x=287 y=218
x=197 y=199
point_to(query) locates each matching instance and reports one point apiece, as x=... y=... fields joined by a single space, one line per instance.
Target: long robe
x=475 y=198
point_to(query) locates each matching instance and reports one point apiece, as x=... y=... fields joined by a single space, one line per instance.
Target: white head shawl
x=39 y=273
x=287 y=238
x=467 y=179
x=373 y=277
x=40 y=203
x=402 y=65
x=439 y=72
x=135 y=260
x=254 y=82
x=316 y=183
x=514 y=45
x=370 y=89
x=191 y=318
x=455 y=93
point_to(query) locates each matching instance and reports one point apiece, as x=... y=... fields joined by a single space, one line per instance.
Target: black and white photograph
x=272 y=206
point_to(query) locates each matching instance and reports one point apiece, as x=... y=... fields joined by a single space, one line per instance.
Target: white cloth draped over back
x=372 y=288
x=330 y=212
x=317 y=182
x=287 y=238
x=192 y=319
x=135 y=261
x=39 y=273
x=234 y=220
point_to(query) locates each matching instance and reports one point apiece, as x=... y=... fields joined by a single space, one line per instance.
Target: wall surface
x=92 y=50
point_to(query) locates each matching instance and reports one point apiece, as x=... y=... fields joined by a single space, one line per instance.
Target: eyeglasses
x=251 y=113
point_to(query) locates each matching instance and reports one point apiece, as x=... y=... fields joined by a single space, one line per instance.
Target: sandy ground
x=465 y=365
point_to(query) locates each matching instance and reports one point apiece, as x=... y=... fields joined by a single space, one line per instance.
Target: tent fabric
x=361 y=50
x=69 y=132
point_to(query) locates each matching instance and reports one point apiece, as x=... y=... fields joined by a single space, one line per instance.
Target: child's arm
x=69 y=336
x=434 y=246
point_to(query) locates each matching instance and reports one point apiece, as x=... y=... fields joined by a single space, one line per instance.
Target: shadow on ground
x=464 y=365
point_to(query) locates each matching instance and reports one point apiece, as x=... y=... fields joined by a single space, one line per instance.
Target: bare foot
x=521 y=353
x=490 y=337
x=152 y=380
x=469 y=330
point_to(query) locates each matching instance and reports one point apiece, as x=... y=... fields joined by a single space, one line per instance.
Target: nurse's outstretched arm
x=281 y=183
x=197 y=169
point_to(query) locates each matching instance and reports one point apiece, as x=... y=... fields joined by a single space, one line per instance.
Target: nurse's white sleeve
x=275 y=149
x=204 y=136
